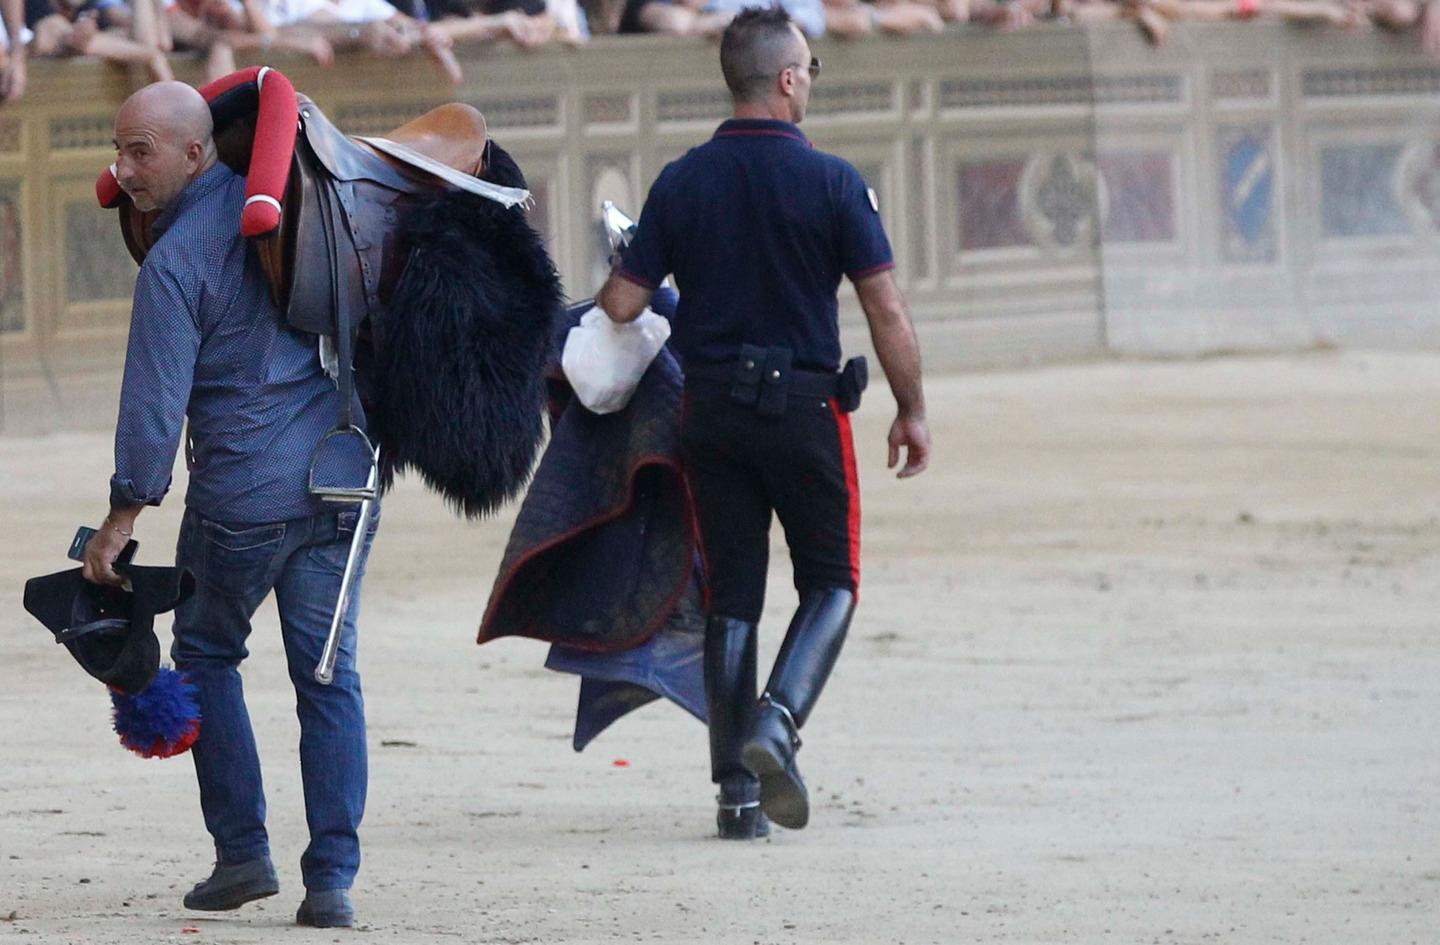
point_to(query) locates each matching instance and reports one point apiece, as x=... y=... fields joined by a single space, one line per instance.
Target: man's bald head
x=164 y=140
x=172 y=106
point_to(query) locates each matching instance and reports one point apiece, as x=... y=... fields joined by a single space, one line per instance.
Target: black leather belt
x=802 y=383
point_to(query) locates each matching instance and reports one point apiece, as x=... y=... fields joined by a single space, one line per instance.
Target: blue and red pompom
x=161 y=721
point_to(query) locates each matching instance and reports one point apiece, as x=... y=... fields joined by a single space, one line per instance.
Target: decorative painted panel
x=12 y=275
x=1003 y=93
x=504 y=114
x=1417 y=182
x=1240 y=84
x=10 y=136
x=1246 y=161
x=1346 y=82
x=707 y=104
x=988 y=197
x=1357 y=196
x=608 y=109
x=1139 y=89
x=852 y=97
x=1139 y=196
x=97 y=265
x=540 y=111
x=379 y=119
x=84 y=133
x=1062 y=90
x=1060 y=199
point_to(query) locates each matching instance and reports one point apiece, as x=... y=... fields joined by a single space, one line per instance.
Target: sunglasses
x=813 y=69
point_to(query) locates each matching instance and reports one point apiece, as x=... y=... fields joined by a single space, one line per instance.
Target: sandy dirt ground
x=1149 y=656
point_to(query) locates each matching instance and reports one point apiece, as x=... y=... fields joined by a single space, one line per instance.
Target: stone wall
x=1052 y=193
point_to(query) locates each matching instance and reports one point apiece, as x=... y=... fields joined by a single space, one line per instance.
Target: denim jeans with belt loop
x=235 y=567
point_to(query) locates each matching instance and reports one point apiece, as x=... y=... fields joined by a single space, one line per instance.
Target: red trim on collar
x=760 y=133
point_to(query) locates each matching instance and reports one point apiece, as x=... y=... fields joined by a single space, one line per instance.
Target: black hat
x=109 y=630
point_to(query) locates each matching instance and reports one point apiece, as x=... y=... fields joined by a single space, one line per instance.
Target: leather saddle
x=336 y=255
x=342 y=224
x=341 y=205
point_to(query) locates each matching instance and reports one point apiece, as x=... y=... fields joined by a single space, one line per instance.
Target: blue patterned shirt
x=207 y=342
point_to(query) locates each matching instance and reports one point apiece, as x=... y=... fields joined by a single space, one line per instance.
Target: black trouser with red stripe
x=741 y=467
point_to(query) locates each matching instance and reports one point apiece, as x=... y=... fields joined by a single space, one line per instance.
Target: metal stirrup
x=346 y=495
x=325 y=668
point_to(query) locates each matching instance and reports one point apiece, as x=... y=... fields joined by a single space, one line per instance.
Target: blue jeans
x=235 y=567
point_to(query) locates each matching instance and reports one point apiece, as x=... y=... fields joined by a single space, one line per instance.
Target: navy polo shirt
x=758 y=227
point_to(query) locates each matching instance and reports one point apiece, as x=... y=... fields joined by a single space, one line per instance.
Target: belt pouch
x=854 y=378
x=775 y=383
x=745 y=386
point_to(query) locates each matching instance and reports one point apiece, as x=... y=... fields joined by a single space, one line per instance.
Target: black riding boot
x=730 y=701
x=812 y=644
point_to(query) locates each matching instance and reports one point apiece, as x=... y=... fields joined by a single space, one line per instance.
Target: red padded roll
x=213 y=90
x=276 y=122
x=107 y=189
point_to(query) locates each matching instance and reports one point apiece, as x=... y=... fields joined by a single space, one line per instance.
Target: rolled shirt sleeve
x=159 y=369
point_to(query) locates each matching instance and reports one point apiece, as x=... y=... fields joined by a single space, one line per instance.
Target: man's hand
x=107 y=543
x=100 y=554
x=912 y=434
x=622 y=299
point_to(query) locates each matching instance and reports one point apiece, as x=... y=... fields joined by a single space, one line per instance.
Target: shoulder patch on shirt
x=874 y=200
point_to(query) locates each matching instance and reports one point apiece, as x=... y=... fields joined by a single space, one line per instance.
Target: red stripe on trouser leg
x=694 y=511
x=852 y=488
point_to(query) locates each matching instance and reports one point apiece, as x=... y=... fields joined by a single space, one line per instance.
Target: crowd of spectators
x=145 y=32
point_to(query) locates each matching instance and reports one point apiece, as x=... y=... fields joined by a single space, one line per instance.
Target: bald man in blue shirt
x=208 y=345
x=758 y=228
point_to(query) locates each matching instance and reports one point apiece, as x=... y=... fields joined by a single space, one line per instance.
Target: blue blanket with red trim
x=602 y=560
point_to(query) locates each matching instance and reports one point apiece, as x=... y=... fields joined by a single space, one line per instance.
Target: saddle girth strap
x=342 y=317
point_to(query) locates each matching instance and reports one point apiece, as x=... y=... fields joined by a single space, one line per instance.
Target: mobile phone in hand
x=82 y=538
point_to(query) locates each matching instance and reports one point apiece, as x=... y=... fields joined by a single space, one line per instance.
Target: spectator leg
x=377 y=36
x=219 y=61
x=566 y=15
x=1206 y=11
x=304 y=40
x=1396 y=14
x=669 y=18
x=112 y=45
x=604 y=15
x=847 y=20
x=1152 y=23
x=1314 y=11
x=145 y=26
x=438 y=47
x=905 y=17
x=478 y=28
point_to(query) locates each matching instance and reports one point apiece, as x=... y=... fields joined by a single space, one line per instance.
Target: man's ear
x=787 y=81
x=195 y=152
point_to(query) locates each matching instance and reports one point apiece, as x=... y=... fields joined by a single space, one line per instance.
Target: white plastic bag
x=604 y=360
